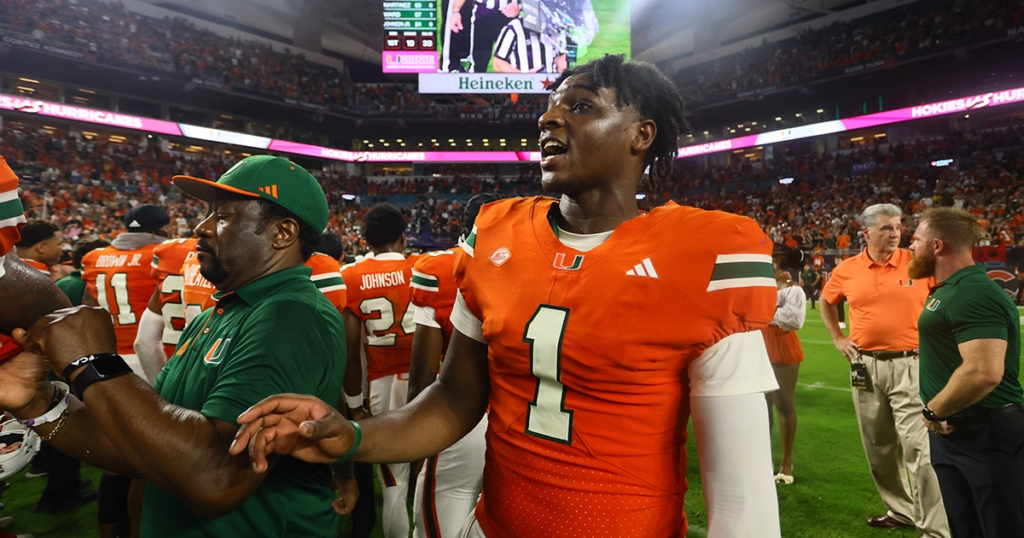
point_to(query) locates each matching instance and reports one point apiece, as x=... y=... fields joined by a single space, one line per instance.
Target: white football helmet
x=18 y=444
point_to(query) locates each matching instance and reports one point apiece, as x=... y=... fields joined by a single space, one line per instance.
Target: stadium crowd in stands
x=884 y=36
x=86 y=186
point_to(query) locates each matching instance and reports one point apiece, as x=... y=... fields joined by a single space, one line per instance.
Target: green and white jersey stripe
x=470 y=243
x=423 y=281
x=742 y=271
x=12 y=213
x=328 y=282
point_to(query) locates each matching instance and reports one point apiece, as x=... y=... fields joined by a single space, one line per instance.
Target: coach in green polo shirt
x=969 y=336
x=271 y=331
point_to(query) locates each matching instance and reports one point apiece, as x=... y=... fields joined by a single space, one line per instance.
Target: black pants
x=980 y=467
x=811 y=293
x=64 y=478
x=364 y=514
x=487 y=24
x=455 y=46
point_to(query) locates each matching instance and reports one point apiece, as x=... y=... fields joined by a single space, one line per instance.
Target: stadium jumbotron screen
x=499 y=46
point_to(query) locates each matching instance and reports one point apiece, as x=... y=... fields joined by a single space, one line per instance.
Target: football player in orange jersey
x=378 y=305
x=119 y=278
x=593 y=331
x=327 y=277
x=449 y=484
x=40 y=244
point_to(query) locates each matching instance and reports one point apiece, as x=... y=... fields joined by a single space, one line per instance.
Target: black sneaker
x=79 y=498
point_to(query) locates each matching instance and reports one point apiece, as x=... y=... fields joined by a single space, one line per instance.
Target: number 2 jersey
x=169 y=270
x=378 y=293
x=122 y=284
x=588 y=355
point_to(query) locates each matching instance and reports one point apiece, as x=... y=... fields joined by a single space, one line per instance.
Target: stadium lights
x=29 y=80
x=821 y=110
x=399 y=140
x=856 y=138
x=369 y=145
x=83 y=90
x=786 y=180
x=433 y=140
x=366 y=141
x=705 y=132
x=732 y=130
x=778 y=119
x=747 y=129
x=382 y=140
x=799 y=114
x=386 y=144
x=967 y=115
x=753 y=123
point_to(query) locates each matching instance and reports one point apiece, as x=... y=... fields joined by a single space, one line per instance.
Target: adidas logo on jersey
x=644 y=268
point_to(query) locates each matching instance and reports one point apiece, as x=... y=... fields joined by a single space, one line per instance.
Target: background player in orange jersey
x=592 y=330
x=40 y=244
x=449 y=483
x=378 y=305
x=119 y=278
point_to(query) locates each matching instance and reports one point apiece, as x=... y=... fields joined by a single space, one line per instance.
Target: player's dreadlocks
x=652 y=94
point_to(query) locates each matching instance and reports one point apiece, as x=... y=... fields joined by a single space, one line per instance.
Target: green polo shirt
x=809 y=277
x=73 y=286
x=276 y=334
x=968 y=306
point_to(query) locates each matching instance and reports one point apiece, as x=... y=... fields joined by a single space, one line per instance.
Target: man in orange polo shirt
x=882 y=349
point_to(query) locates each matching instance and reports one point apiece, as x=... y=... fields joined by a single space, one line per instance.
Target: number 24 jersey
x=588 y=355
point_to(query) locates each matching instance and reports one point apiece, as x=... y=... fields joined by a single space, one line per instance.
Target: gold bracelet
x=60 y=424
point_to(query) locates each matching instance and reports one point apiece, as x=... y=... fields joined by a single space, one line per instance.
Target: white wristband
x=53 y=414
x=354 y=402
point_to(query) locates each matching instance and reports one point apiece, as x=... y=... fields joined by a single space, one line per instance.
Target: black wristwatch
x=102 y=368
x=930 y=415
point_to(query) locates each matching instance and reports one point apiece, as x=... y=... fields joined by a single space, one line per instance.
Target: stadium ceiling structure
x=665 y=31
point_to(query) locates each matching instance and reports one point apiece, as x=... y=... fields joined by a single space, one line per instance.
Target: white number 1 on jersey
x=547 y=416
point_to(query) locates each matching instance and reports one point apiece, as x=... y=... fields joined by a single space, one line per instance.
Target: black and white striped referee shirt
x=495 y=4
x=523 y=49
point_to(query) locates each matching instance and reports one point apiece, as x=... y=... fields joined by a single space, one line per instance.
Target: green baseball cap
x=274 y=179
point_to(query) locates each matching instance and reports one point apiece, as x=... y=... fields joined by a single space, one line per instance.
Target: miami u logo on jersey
x=933 y=304
x=560 y=262
x=906 y=283
x=216 y=352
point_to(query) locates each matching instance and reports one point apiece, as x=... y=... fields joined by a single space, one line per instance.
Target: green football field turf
x=831 y=497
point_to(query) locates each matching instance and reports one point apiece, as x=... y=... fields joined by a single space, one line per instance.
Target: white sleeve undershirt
x=790 y=309
x=464 y=320
x=2 y=270
x=426 y=315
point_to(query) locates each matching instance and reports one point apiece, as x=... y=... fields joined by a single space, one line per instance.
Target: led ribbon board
x=940 y=108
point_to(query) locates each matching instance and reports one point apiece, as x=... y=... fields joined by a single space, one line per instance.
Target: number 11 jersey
x=588 y=354
x=122 y=283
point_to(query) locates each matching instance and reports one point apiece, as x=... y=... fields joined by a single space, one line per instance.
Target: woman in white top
x=785 y=354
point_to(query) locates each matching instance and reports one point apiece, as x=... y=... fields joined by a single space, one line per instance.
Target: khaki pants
x=896 y=444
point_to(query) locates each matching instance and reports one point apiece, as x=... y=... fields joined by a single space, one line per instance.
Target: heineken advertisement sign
x=485 y=82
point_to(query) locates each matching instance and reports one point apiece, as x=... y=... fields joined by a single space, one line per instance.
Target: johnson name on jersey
x=588 y=355
x=378 y=293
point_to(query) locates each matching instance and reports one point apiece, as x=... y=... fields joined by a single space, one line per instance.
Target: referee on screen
x=524 y=51
x=489 y=17
x=455 y=37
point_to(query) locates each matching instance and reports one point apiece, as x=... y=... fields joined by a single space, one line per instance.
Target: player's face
x=230 y=251
x=923 y=263
x=50 y=250
x=587 y=140
x=884 y=235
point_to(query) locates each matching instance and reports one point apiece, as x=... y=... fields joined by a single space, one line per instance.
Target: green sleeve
x=284 y=346
x=979 y=313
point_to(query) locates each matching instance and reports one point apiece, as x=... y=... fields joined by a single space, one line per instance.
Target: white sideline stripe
x=820 y=385
x=749 y=282
x=735 y=258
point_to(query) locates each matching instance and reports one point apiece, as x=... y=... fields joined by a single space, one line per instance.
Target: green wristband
x=355 y=445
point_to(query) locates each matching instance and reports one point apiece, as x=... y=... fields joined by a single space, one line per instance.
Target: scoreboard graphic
x=410 y=36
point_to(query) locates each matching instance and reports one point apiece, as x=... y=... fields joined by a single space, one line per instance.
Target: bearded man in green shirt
x=970 y=361
x=271 y=331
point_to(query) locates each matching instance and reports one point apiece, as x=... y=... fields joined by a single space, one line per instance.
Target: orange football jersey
x=378 y=293
x=168 y=257
x=197 y=292
x=12 y=213
x=37 y=265
x=122 y=283
x=433 y=285
x=327 y=277
x=588 y=355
